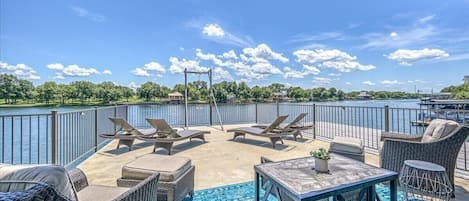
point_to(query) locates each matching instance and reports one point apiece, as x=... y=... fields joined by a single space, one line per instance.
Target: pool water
x=245 y=192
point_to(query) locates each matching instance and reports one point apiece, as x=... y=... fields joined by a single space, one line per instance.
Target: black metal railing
x=62 y=138
x=65 y=138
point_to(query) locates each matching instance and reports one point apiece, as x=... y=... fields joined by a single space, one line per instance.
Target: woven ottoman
x=348 y=147
x=176 y=175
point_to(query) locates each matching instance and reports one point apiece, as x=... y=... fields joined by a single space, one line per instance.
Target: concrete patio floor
x=220 y=161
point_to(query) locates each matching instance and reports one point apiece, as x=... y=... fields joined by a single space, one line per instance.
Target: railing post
x=314 y=121
x=278 y=108
x=257 y=118
x=115 y=115
x=54 y=131
x=127 y=112
x=386 y=118
x=96 y=129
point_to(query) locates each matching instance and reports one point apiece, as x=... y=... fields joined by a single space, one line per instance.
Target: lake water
x=409 y=103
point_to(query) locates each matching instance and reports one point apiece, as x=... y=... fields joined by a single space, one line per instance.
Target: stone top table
x=299 y=181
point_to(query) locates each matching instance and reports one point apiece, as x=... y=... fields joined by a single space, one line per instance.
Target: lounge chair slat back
x=121 y=124
x=275 y=124
x=162 y=126
x=295 y=121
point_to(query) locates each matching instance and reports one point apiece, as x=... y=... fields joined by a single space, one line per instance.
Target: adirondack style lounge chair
x=126 y=133
x=272 y=131
x=293 y=126
x=165 y=136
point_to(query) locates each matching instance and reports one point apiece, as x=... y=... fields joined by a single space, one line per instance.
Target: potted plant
x=321 y=158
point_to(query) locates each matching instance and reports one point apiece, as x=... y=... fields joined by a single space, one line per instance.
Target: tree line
x=459 y=91
x=13 y=90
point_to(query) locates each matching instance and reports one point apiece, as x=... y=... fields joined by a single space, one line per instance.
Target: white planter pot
x=321 y=165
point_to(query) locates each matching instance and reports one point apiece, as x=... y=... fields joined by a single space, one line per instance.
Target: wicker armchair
x=397 y=148
x=146 y=190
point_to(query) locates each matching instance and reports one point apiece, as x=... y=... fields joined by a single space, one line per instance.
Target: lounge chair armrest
x=78 y=179
x=400 y=136
x=146 y=190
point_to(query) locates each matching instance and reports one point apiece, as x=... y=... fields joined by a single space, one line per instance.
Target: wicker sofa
x=439 y=144
x=55 y=183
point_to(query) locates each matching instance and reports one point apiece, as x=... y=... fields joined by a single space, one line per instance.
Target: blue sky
x=351 y=45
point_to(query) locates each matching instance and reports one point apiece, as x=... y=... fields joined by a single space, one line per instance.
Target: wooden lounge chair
x=272 y=132
x=293 y=125
x=165 y=136
x=125 y=133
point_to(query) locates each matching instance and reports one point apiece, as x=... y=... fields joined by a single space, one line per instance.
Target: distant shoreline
x=94 y=104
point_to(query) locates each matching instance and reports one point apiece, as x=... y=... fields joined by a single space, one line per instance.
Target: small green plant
x=321 y=154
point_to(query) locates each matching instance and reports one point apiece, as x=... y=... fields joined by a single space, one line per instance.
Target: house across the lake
x=466 y=79
x=175 y=98
x=281 y=96
x=364 y=95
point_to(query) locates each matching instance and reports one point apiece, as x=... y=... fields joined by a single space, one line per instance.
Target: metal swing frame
x=212 y=100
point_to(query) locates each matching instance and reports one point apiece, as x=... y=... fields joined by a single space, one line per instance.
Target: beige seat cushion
x=53 y=175
x=169 y=167
x=438 y=128
x=102 y=193
x=346 y=145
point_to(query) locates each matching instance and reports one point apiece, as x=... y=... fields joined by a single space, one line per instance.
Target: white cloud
x=369 y=83
x=19 y=70
x=133 y=86
x=418 y=32
x=178 y=66
x=407 y=57
x=213 y=30
x=149 y=69
x=336 y=59
x=319 y=81
x=77 y=71
x=58 y=76
x=307 y=70
x=230 y=55
x=426 y=19
x=335 y=74
x=73 y=70
x=255 y=63
x=107 y=72
x=317 y=37
x=416 y=81
x=55 y=66
x=208 y=57
x=263 y=51
x=348 y=83
x=140 y=72
x=220 y=74
x=390 y=82
x=82 y=12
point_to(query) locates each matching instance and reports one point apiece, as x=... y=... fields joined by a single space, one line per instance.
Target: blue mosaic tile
x=245 y=192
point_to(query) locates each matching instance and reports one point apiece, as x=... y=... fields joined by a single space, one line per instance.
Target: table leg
x=371 y=193
x=256 y=187
x=393 y=190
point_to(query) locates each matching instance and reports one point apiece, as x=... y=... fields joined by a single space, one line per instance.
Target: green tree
x=147 y=91
x=47 y=91
x=8 y=88
x=244 y=92
x=83 y=90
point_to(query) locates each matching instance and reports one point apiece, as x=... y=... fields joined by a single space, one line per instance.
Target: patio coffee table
x=297 y=179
